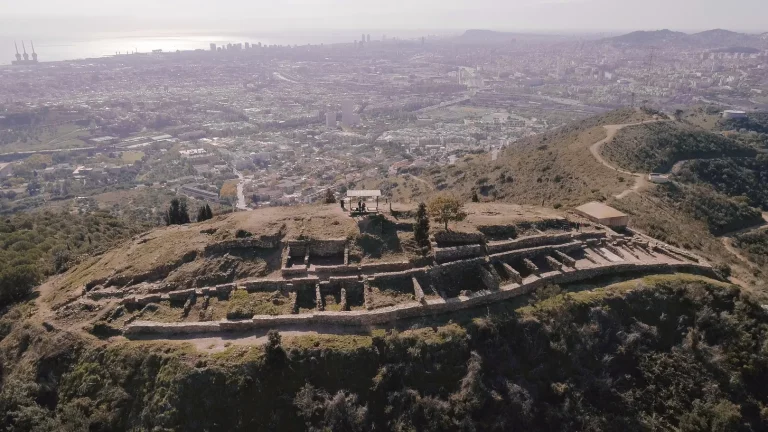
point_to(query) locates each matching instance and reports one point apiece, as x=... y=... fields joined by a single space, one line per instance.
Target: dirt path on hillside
x=640 y=178
x=727 y=240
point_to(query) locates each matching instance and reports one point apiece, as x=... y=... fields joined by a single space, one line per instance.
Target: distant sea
x=107 y=44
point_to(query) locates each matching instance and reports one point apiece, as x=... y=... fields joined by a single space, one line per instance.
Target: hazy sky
x=30 y=16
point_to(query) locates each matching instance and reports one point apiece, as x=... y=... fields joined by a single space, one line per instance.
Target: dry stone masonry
x=468 y=271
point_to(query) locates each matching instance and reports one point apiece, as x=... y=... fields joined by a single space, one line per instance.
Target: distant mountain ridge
x=481 y=36
x=716 y=38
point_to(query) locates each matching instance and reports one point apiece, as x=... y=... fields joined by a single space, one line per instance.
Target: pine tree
x=204 y=213
x=183 y=213
x=329 y=197
x=177 y=213
x=201 y=215
x=421 y=227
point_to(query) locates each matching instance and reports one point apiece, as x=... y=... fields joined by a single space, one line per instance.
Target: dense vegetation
x=755 y=122
x=755 y=244
x=720 y=212
x=37 y=244
x=655 y=147
x=746 y=177
x=674 y=353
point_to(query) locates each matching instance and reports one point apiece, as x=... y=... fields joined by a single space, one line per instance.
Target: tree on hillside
x=446 y=208
x=274 y=350
x=204 y=213
x=229 y=193
x=177 y=213
x=329 y=197
x=17 y=282
x=421 y=227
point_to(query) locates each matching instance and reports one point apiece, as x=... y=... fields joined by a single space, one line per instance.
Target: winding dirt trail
x=641 y=181
x=727 y=240
x=640 y=178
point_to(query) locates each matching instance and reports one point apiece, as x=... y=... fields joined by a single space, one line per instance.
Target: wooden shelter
x=358 y=201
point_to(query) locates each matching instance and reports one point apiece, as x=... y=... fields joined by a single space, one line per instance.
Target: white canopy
x=363 y=193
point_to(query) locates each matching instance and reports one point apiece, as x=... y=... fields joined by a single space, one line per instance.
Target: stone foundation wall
x=457 y=265
x=323 y=248
x=264 y=285
x=454 y=238
x=509 y=231
x=335 y=269
x=385 y=266
x=534 y=251
x=458 y=252
x=409 y=310
x=528 y=242
x=396 y=275
x=309 y=280
x=590 y=235
x=245 y=243
x=294 y=271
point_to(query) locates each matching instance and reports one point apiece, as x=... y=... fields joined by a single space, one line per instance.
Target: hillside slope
x=663 y=353
x=552 y=169
x=656 y=147
x=557 y=169
x=745 y=177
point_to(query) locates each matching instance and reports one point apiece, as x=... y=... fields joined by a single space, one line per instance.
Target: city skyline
x=41 y=16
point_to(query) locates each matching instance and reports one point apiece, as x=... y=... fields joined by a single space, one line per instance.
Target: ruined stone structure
x=468 y=271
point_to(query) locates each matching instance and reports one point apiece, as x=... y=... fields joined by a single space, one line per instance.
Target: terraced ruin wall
x=323 y=248
x=456 y=238
x=414 y=309
x=535 y=251
x=245 y=243
x=458 y=252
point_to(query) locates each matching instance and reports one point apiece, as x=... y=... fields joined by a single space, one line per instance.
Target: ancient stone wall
x=323 y=248
x=294 y=271
x=508 y=231
x=528 y=242
x=264 y=285
x=385 y=266
x=413 y=309
x=458 y=252
x=396 y=275
x=244 y=243
x=334 y=269
x=534 y=251
x=455 y=238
